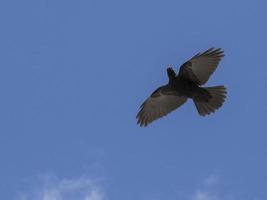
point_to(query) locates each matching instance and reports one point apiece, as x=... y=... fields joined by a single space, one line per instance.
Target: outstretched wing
x=199 y=68
x=158 y=105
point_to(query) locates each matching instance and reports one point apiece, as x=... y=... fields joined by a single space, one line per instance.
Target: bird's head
x=170 y=72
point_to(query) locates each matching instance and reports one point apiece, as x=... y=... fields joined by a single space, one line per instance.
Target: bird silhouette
x=186 y=84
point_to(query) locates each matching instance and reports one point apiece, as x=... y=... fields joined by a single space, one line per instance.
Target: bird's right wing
x=158 y=105
x=199 y=68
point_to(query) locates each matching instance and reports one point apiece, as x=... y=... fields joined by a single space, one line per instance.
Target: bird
x=186 y=84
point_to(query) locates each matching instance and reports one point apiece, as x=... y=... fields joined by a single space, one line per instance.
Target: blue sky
x=74 y=73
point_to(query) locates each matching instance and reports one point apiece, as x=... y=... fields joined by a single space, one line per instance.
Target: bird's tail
x=218 y=94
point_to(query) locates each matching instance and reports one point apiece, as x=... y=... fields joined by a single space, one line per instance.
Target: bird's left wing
x=199 y=68
x=158 y=105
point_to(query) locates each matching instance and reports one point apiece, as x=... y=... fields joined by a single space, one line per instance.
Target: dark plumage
x=186 y=84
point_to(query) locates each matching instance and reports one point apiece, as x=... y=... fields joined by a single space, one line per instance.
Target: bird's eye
x=155 y=93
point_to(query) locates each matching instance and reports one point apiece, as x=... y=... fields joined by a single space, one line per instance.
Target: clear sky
x=74 y=73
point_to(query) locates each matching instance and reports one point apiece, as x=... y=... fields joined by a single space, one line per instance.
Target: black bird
x=186 y=84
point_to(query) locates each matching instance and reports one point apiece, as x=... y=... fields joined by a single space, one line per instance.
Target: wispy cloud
x=204 y=195
x=210 y=189
x=53 y=188
x=211 y=180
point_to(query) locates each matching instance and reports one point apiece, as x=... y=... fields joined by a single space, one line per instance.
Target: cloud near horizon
x=53 y=188
x=205 y=195
x=209 y=190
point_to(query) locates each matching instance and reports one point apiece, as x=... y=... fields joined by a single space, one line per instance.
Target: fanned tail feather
x=218 y=95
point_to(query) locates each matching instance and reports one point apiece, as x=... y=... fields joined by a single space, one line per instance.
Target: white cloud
x=95 y=195
x=204 y=195
x=211 y=189
x=52 y=188
x=211 y=180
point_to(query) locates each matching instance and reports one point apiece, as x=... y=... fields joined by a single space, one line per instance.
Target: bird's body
x=188 y=88
x=182 y=87
x=187 y=84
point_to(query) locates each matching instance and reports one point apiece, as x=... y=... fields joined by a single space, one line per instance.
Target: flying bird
x=186 y=85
